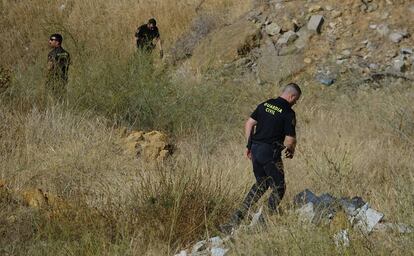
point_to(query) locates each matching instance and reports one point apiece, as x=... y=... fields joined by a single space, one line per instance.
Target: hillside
x=145 y=155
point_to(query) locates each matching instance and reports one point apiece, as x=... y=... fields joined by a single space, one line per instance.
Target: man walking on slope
x=269 y=130
x=148 y=36
x=58 y=61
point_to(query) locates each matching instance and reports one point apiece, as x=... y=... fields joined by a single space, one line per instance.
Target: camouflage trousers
x=56 y=89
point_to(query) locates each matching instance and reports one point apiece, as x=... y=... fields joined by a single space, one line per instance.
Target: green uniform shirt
x=61 y=61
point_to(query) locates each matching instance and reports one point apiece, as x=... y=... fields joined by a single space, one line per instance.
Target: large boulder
x=226 y=45
x=37 y=198
x=150 y=146
x=273 y=68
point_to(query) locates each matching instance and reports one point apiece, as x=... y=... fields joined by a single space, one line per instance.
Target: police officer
x=58 y=61
x=147 y=37
x=269 y=130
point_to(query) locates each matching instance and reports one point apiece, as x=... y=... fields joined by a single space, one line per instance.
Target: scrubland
x=355 y=139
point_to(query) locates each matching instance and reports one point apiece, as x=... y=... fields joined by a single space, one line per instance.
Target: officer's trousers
x=268 y=170
x=56 y=88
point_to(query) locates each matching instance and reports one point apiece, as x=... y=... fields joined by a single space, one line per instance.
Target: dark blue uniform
x=145 y=37
x=275 y=120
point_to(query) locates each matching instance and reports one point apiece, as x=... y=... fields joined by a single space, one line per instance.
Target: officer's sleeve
x=290 y=125
x=255 y=113
x=137 y=33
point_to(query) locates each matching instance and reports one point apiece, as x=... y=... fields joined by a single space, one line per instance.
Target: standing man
x=269 y=130
x=148 y=36
x=58 y=61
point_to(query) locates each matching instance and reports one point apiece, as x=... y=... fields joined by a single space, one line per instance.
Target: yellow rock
x=155 y=136
x=307 y=60
x=135 y=136
x=34 y=198
x=315 y=8
x=38 y=199
x=2 y=183
x=150 y=146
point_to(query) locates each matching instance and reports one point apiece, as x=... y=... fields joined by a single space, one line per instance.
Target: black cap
x=152 y=21
x=57 y=37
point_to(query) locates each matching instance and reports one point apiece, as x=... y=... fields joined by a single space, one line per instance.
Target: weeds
x=351 y=142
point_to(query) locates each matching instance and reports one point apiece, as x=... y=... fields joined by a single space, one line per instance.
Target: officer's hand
x=161 y=54
x=289 y=153
x=249 y=154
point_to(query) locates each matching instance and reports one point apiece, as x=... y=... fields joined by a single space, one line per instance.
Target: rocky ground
x=328 y=40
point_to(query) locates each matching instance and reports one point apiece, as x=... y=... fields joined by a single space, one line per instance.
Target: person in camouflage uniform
x=58 y=61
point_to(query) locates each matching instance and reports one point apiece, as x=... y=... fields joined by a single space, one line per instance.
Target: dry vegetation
x=353 y=140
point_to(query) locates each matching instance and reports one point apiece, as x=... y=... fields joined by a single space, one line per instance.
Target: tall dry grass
x=350 y=143
x=353 y=140
x=92 y=28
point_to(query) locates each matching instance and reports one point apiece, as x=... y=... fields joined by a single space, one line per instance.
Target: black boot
x=235 y=220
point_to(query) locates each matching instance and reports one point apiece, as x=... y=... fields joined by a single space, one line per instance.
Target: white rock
x=341 y=238
x=199 y=246
x=398 y=65
x=383 y=29
x=218 y=251
x=396 y=37
x=304 y=36
x=373 y=26
x=373 y=66
x=287 y=38
x=367 y=218
x=256 y=217
x=272 y=29
x=182 y=253
x=315 y=23
x=372 y=7
x=306 y=212
x=216 y=241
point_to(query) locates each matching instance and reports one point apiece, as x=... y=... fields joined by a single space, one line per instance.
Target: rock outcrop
x=273 y=68
x=149 y=146
x=226 y=45
x=353 y=37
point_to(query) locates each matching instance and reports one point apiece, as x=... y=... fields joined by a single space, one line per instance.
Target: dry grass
x=125 y=204
x=348 y=146
x=352 y=141
x=95 y=27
